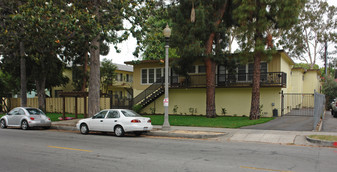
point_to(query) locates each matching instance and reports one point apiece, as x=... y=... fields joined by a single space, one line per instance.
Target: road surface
x=50 y=150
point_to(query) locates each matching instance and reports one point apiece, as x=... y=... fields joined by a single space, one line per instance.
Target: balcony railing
x=270 y=79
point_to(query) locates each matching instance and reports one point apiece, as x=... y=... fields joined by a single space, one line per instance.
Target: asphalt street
x=51 y=150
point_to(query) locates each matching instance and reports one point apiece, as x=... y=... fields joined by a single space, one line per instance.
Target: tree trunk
x=85 y=69
x=94 y=79
x=210 y=88
x=23 y=76
x=40 y=87
x=255 y=104
x=210 y=68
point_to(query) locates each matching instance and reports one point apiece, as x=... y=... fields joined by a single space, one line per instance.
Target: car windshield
x=130 y=113
x=33 y=111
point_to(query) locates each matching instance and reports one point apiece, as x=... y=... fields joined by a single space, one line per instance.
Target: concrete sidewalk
x=235 y=135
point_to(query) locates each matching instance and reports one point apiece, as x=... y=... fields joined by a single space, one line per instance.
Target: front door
x=110 y=121
x=11 y=116
x=96 y=123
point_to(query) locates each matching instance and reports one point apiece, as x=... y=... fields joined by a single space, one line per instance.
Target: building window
x=242 y=73
x=144 y=76
x=245 y=72
x=192 y=70
x=201 y=69
x=158 y=74
x=151 y=75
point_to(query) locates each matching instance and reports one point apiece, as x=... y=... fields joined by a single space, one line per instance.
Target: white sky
x=128 y=47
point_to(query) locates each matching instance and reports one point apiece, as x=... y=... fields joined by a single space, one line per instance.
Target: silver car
x=25 y=118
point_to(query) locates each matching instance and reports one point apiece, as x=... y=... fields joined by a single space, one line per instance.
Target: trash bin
x=275 y=113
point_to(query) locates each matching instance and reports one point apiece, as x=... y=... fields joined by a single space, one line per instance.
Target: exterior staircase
x=149 y=95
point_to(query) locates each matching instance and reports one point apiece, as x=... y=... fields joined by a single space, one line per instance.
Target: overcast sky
x=129 y=46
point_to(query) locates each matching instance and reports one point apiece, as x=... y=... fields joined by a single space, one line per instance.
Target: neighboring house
x=187 y=95
x=121 y=87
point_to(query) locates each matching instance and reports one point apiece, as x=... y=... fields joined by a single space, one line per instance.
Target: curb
x=322 y=142
x=190 y=134
x=70 y=128
x=173 y=133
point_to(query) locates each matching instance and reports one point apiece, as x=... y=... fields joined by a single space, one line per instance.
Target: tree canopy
x=317 y=25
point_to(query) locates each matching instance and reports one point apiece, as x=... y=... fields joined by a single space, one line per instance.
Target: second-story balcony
x=269 y=79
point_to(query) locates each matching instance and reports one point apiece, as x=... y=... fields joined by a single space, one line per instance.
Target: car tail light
x=135 y=121
x=149 y=121
x=31 y=118
x=48 y=119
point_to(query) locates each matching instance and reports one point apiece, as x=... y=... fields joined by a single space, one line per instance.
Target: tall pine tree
x=200 y=32
x=259 y=21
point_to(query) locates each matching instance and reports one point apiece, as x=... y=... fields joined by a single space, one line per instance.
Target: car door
x=11 y=116
x=96 y=122
x=18 y=117
x=110 y=121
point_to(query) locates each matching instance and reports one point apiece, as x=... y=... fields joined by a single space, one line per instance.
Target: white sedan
x=118 y=121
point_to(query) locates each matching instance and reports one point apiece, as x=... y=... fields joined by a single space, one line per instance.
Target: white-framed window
x=151 y=75
x=244 y=72
x=201 y=69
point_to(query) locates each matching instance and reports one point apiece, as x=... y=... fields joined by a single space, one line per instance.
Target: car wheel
x=332 y=113
x=119 y=131
x=24 y=125
x=84 y=129
x=138 y=133
x=3 y=124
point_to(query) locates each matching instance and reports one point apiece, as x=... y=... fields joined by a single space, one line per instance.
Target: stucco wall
x=236 y=101
x=311 y=82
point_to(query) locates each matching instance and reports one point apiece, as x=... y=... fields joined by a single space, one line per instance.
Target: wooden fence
x=55 y=105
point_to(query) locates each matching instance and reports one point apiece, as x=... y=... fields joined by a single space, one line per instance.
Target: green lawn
x=202 y=121
x=55 y=116
x=195 y=121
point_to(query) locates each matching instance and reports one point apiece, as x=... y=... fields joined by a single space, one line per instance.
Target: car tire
x=119 y=131
x=24 y=125
x=332 y=113
x=138 y=133
x=84 y=129
x=3 y=124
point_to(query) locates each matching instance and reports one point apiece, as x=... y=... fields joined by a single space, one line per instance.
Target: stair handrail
x=148 y=91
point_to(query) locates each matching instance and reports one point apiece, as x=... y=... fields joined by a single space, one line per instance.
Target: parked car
x=118 y=121
x=334 y=108
x=25 y=117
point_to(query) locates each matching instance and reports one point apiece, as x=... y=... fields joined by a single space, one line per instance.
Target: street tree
x=106 y=20
x=258 y=22
x=45 y=26
x=200 y=31
x=317 y=26
x=12 y=36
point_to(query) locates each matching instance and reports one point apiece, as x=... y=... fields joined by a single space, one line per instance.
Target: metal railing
x=148 y=92
x=270 y=79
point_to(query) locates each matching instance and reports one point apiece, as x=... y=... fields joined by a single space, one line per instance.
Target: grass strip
x=324 y=137
x=202 y=121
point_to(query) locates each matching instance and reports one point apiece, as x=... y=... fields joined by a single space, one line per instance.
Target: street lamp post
x=167 y=34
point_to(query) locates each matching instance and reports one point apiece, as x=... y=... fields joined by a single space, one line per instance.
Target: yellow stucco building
x=121 y=87
x=187 y=95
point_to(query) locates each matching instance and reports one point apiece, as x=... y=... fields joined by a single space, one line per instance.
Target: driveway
x=287 y=123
